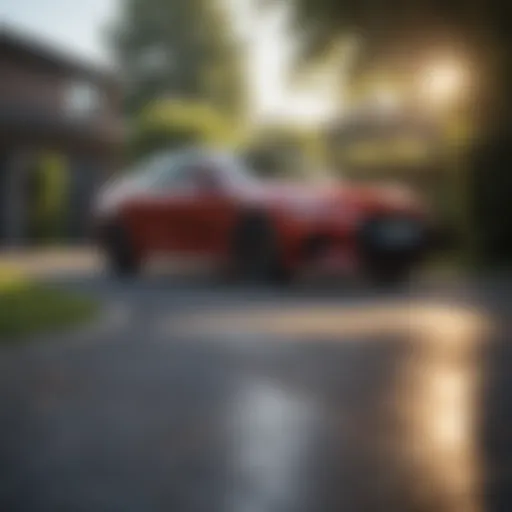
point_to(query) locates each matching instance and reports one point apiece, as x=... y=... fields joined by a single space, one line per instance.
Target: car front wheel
x=391 y=248
x=119 y=252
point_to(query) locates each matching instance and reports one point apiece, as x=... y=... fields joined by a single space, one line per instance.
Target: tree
x=178 y=49
x=403 y=34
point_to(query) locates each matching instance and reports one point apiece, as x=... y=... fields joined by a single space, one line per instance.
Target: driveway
x=192 y=395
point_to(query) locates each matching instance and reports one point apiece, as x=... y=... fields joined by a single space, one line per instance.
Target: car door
x=186 y=210
x=157 y=212
x=210 y=213
x=175 y=201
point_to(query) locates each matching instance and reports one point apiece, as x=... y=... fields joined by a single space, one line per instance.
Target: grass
x=28 y=308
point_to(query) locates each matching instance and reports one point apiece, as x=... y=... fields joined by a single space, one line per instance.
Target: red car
x=206 y=203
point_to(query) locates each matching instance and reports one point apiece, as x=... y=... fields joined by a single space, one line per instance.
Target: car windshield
x=149 y=172
x=146 y=173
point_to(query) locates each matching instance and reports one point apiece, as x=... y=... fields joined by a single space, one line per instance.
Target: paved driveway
x=190 y=395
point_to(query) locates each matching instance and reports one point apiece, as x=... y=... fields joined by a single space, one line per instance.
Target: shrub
x=173 y=124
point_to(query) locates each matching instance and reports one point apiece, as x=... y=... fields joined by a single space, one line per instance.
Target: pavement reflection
x=388 y=424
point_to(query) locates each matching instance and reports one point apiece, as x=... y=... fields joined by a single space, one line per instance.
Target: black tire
x=388 y=275
x=256 y=255
x=386 y=267
x=121 y=258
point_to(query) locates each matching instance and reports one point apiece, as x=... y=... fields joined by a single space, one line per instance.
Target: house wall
x=14 y=170
x=21 y=192
x=31 y=88
x=38 y=115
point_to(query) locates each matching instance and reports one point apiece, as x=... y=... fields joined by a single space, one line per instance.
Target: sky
x=78 y=26
x=271 y=54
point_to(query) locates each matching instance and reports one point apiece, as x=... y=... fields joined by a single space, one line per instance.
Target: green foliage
x=490 y=184
x=174 y=124
x=27 y=308
x=384 y=26
x=50 y=203
x=395 y=37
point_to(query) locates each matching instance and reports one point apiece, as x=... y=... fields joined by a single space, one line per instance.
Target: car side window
x=190 y=176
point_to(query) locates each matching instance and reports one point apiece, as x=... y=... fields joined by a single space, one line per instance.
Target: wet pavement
x=202 y=397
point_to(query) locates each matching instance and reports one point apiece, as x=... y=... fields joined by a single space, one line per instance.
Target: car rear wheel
x=256 y=255
x=121 y=258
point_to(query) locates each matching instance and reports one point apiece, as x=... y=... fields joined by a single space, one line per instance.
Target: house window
x=83 y=99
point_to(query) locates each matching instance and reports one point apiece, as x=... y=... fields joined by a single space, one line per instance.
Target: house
x=60 y=132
